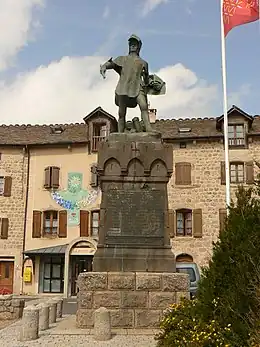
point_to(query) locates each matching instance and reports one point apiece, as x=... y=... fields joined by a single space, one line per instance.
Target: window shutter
x=183 y=173
x=84 y=218
x=222 y=219
x=63 y=223
x=47 y=177
x=249 y=172
x=8 y=186
x=55 y=177
x=223 y=173
x=197 y=222
x=37 y=224
x=94 y=176
x=171 y=223
x=4 y=228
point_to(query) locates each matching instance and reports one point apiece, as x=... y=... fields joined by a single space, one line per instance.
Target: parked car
x=193 y=271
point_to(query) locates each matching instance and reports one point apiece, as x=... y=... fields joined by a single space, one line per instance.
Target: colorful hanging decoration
x=75 y=198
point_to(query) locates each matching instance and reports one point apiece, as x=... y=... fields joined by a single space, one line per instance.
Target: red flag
x=239 y=12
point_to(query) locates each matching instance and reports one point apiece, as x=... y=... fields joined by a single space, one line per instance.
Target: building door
x=79 y=264
x=6 y=277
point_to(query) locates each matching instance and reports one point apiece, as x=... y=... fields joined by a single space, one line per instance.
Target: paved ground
x=65 y=334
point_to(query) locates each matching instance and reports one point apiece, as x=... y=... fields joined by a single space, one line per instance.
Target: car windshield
x=189 y=271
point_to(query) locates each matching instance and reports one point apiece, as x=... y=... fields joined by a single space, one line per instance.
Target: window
x=4 y=226
x=184 y=223
x=53 y=274
x=94 y=223
x=182 y=173
x=50 y=222
x=100 y=132
x=183 y=145
x=2 y=185
x=236 y=135
x=236 y=172
x=52 y=177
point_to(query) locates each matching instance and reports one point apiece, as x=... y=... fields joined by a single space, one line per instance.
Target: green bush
x=182 y=327
x=227 y=309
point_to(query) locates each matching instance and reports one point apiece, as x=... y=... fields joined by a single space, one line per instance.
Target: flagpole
x=225 y=106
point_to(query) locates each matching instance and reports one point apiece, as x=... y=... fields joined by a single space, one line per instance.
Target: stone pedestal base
x=137 y=259
x=135 y=299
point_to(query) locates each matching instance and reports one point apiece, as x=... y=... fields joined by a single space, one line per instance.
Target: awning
x=56 y=250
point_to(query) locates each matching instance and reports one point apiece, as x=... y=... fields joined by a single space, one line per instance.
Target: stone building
x=54 y=184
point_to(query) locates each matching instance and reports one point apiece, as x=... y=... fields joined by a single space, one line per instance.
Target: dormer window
x=56 y=130
x=236 y=135
x=100 y=132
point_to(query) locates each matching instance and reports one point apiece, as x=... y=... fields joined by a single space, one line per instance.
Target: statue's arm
x=110 y=64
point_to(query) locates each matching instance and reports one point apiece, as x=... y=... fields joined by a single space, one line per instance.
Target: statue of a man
x=134 y=83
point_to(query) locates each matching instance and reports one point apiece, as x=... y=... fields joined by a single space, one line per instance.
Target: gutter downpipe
x=26 y=209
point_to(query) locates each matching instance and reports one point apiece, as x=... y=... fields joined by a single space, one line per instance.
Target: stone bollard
x=102 y=324
x=44 y=316
x=59 y=302
x=30 y=324
x=53 y=311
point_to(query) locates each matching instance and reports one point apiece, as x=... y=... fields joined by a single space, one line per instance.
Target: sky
x=51 y=51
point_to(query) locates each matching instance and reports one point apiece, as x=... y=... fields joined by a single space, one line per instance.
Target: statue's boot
x=121 y=125
x=146 y=120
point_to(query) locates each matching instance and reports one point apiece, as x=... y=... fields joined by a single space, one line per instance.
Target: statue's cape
x=156 y=86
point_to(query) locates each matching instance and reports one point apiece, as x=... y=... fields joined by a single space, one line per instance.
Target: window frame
x=234 y=141
x=237 y=164
x=91 y=223
x=2 y=182
x=52 y=219
x=97 y=136
x=184 y=213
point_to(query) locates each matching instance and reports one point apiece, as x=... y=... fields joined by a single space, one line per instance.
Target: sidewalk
x=65 y=334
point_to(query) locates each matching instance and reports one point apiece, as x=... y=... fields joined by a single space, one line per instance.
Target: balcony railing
x=236 y=141
x=96 y=140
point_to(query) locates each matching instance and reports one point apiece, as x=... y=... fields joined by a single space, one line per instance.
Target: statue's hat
x=135 y=37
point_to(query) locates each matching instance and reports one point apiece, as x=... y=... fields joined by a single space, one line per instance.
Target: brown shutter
x=84 y=218
x=4 y=228
x=249 y=172
x=183 y=173
x=37 y=224
x=55 y=177
x=223 y=173
x=222 y=219
x=197 y=222
x=63 y=223
x=47 y=177
x=8 y=186
x=94 y=176
x=171 y=223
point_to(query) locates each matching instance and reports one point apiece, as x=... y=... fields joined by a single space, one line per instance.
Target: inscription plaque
x=135 y=213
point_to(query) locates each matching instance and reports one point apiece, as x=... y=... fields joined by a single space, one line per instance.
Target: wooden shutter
x=84 y=218
x=197 y=222
x=37 y=224
x=249 y=172
x=4 y=228
x=171 y=223
x=63 y=223
x=183 y=173
x=223 y=173
x=55 y=177
x=94 y=176
x=47 y=177
x=222 y=219
x=8 y=186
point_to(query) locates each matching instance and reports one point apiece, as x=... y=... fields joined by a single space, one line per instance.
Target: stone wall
x=13 y=164
x=135 y=300
x=10 y=308
x=205 y=192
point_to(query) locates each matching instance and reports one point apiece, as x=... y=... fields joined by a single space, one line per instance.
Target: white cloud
x=150 y=5
x=106 y=12
x=16 y=21
x=66 y=90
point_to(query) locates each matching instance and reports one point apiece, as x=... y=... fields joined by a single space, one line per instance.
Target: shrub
x=182 y=327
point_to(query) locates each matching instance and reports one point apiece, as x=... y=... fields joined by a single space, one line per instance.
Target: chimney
x=152 y=114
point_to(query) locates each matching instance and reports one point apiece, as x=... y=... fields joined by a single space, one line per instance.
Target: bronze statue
x=134 y=83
